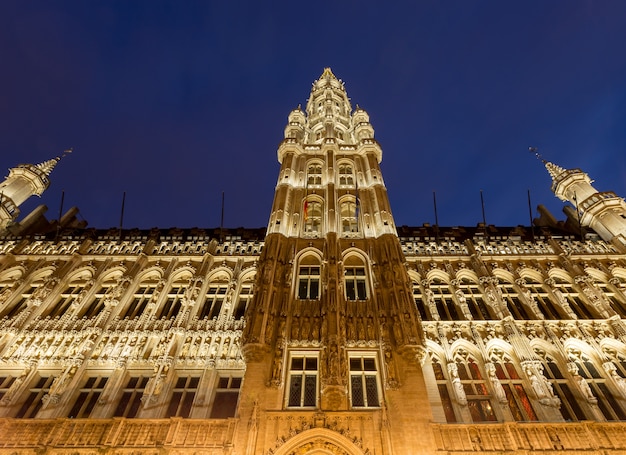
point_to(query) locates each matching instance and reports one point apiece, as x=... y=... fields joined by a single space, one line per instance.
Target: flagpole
x=222 y=221
x=122 y=214
x=530 y=214
x=436 y=217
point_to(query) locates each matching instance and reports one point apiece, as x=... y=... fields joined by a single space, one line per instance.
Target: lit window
x=349 y=217
x=183 y=396
x=226 y=397
x=170 y=308
x=513 y=388
x=355 y=283
x=214 y=299
x=364 y=382
x=88 y=397
x=245 y=297
x=314 y=175
x=346 y=177
x=303 y=381
x=312 y=217
x=309 y=282
x=476 y=391
x=141 y=297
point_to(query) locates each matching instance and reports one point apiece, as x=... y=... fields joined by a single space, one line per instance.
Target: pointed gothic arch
x=319 y=441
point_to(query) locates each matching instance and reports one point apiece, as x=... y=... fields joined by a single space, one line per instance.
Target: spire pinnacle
x=48 y=166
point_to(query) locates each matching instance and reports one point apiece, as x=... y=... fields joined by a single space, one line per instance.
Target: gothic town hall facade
x=333 y=331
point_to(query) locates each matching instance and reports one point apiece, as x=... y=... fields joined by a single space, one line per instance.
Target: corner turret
x=24 y=181
x=604 y=212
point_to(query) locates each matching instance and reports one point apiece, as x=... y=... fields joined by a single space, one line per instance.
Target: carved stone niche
x=334 y=398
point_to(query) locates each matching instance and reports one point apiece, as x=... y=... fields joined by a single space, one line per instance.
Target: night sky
x=175 y=102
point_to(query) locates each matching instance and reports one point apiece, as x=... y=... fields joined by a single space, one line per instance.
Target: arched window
x=314 y=175
x=346 y=175
x=442 y=300
x=512 y=385
x=140 y=299
x=474 y=299
x=445 y=394
x=570 y=409
x=567 y=296
x=171 y=306
x=312 y=217
x=309 y=279
x=476 y=391
x=214 y=300
x=17 y=304
x=349 y=217
x=512 y=301
x=582 y=367
x=540 y=295
x=244 y=298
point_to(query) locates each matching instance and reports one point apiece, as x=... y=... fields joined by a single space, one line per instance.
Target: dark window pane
x=309 y=390
x=371 y=390
x=225 y=405
x=295 y=391
x=357 y=391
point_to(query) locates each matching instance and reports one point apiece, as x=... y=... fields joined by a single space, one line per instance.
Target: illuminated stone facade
x=331 y=332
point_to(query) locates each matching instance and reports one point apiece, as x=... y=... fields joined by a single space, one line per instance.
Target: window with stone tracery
x=540 y=295
x=349 y=217
x=475 y=388
x=130 y=402
x=173 y=301
x=570 y=409
x=418 y=299
x=140 y=299
x=214 y=300
x=364 y=387
x=612 y=297
x=596 y=386
x=346 y=175
x=312 y=217
x=32 y=402
x=442 y=297
x=88 y=397
x=513 y=302
x=513 y=387
x=571 y=296
x=314 y=175
x=66 y=298
x=444 y=393
x=244 y=298
x=18 y=303
x=303 y=379
x=96 y=303
x=474 y=299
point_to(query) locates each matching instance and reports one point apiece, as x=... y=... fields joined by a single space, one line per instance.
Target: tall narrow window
x=356 y=288
x=474 y=299
x=349 y=217
x=226 y=397
x=314 y=175
x=513 y=387
x=141 y=297
x=346 y=176
x=303 y=381
x=214 y=300
x=170 y=308
x=442 y=299
x=245 y=297
x=309 y=280
x=364 y=382
x=478 y=396
x=565 y=290
x=183 y=396
x=444 y=393
x=88 y=397
x=66 y=298
x=540 y=295
x=96 y=304
x=512 y=301
x=570 y=409
x=312 y=217
x=130 y=402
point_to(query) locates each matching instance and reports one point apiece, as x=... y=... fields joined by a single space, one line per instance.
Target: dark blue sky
x=175 y=102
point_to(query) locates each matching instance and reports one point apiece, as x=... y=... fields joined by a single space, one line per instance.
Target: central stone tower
x=333 y=341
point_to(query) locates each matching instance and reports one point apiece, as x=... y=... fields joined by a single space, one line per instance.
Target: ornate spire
x=553 y=169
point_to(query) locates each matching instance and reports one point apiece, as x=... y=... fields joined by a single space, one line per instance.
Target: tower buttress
x=604 y=212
